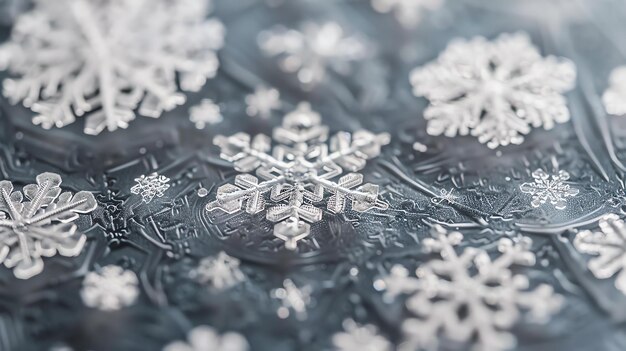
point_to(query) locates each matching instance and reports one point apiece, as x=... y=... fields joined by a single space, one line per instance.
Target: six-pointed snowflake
x=550 y=188
x=360 y=338
x=207 y=112
x=110 y=288
x=609 y=245
x=205 y=338
x=468 y=296
x=150 y=186
x=614 y=98
x=292 y=298
x=497 y=91
x=408 y=12
x=219 y=272
x=298 y=173
x=262 y=102
x=107 y=58
x=42 y=225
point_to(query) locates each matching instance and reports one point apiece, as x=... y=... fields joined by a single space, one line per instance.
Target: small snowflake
x=111 y=288
x=468 y=297
x=293 y=298
x=446 y=196
x=408 y=12
x=615 y=96
x=497 y=91
x=41 y=226
x=207 y=112
x=150 y=186
x=262 y=102
x=105 y=59
x=219 y=272
x=550 y=188
x=205 y=338
x=360 y=338
x=609 y=245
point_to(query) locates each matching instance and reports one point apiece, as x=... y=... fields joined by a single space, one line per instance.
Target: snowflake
x=408 y=12
x=106 y=58
x=497 y=91
x=111 y=288
x=446 y=196
x=468 y=296
x=292 y=298
x=609 y=245
x=150 y=186
x=549 y=188
x=360 y=338
x=41 y=226
x=205 y=338
x=298 y=173
x=313 y=49
x=220 y=272
x=262 y=102
x=613 y=98
x=206 y=112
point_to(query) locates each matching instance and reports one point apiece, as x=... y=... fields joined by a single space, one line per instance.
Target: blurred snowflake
x=150 y=186
x=360 y=338
x=207 y=112
x=219 y=272
x=262 y=102
x=110 y=288
x=614 y=98
x=408 y=12
x=550 y=188
x=293 y=298
x=204 y=338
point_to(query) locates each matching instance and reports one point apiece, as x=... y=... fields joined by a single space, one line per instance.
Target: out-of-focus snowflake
x=106 y=58
x=150 y=186
x=550 y=188
x=609 y=245
x=111 y=288
x=292 y=298
x=468 y=297
x=205 y=338
x=360 y=338
x=614 y=98
x=497 y=91
x=408 y=12
x=262 y=102
x=41 y=226
x=314 y=48
x=207 y=112
x=298 y=172
x=219 y=272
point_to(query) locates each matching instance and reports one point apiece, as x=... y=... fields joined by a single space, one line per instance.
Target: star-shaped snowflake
x=150 y=186
x=360 y=338
x=110 y=288
x=108 y=58
x=615 y=96
x=408 y=12
x=207 y=112
x=496 y=91
x=292 y=298
x=205 y=338
x=468 y=297
x=262 y=102
x=41 y=226
x=219 y=272
x=298 y=173
x=552 y=188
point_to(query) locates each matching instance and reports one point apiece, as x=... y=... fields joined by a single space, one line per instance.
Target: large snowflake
x=105 y=58
x=549 y=188
x=468 y=296
x=497 y=91
x=42 y=225
x=298 y=173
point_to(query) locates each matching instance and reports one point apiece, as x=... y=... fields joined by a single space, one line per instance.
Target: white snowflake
x=153 y=185
x=550 y=188
x=360 y=338
x=207 y=112
x=105 y=58
x=497 y=91
x=262 y=102
x=292 y=298
x=205 y=338
x=298 y=172
x=468 y=297
x=609 y=247
x=110 y=288
x=311 y=50
x=408 y=12
x=219 y=272
x=615 y=96
x=41 y=226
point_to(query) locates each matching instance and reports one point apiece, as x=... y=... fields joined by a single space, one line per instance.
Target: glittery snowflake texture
x=298 y=173
x=495 y=90
x=41 y=226
x=549 y=188
x=111 y=288
x=105 y=59
x=468 y=297
x=205 y=338
x=150 y=186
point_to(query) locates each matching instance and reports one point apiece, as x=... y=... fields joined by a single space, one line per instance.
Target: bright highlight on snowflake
x=150 y=186
x=111 y=288
x=298 y=173
x=292 y=298
x=550 y=188
x=360 y=338
x=609 y=247
x=262 y=102
x=496 y=91
x=41 y=226
x=468 y=296
x=219 y=272
x=408 y=12
x=108 y=58
x=207 y=112
x=614 y=98
x=205 y=338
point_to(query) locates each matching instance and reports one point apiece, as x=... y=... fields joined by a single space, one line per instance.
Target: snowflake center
x=299 y=173
x=20 y=227
x=493 y=87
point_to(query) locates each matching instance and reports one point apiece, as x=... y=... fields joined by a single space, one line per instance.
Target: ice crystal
x=105 y=59
x=110 y=288
x=496 y=91
x=42 y=226
x=615 y=96
x=298 y=173
x=550 y=188
x=468 y=296
x=292 y=298
x=360 y=338
x=207 y=112
x=219 y=272
x=150 y=186
x=262 y=102
x=205 y=338
x=408 y=12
